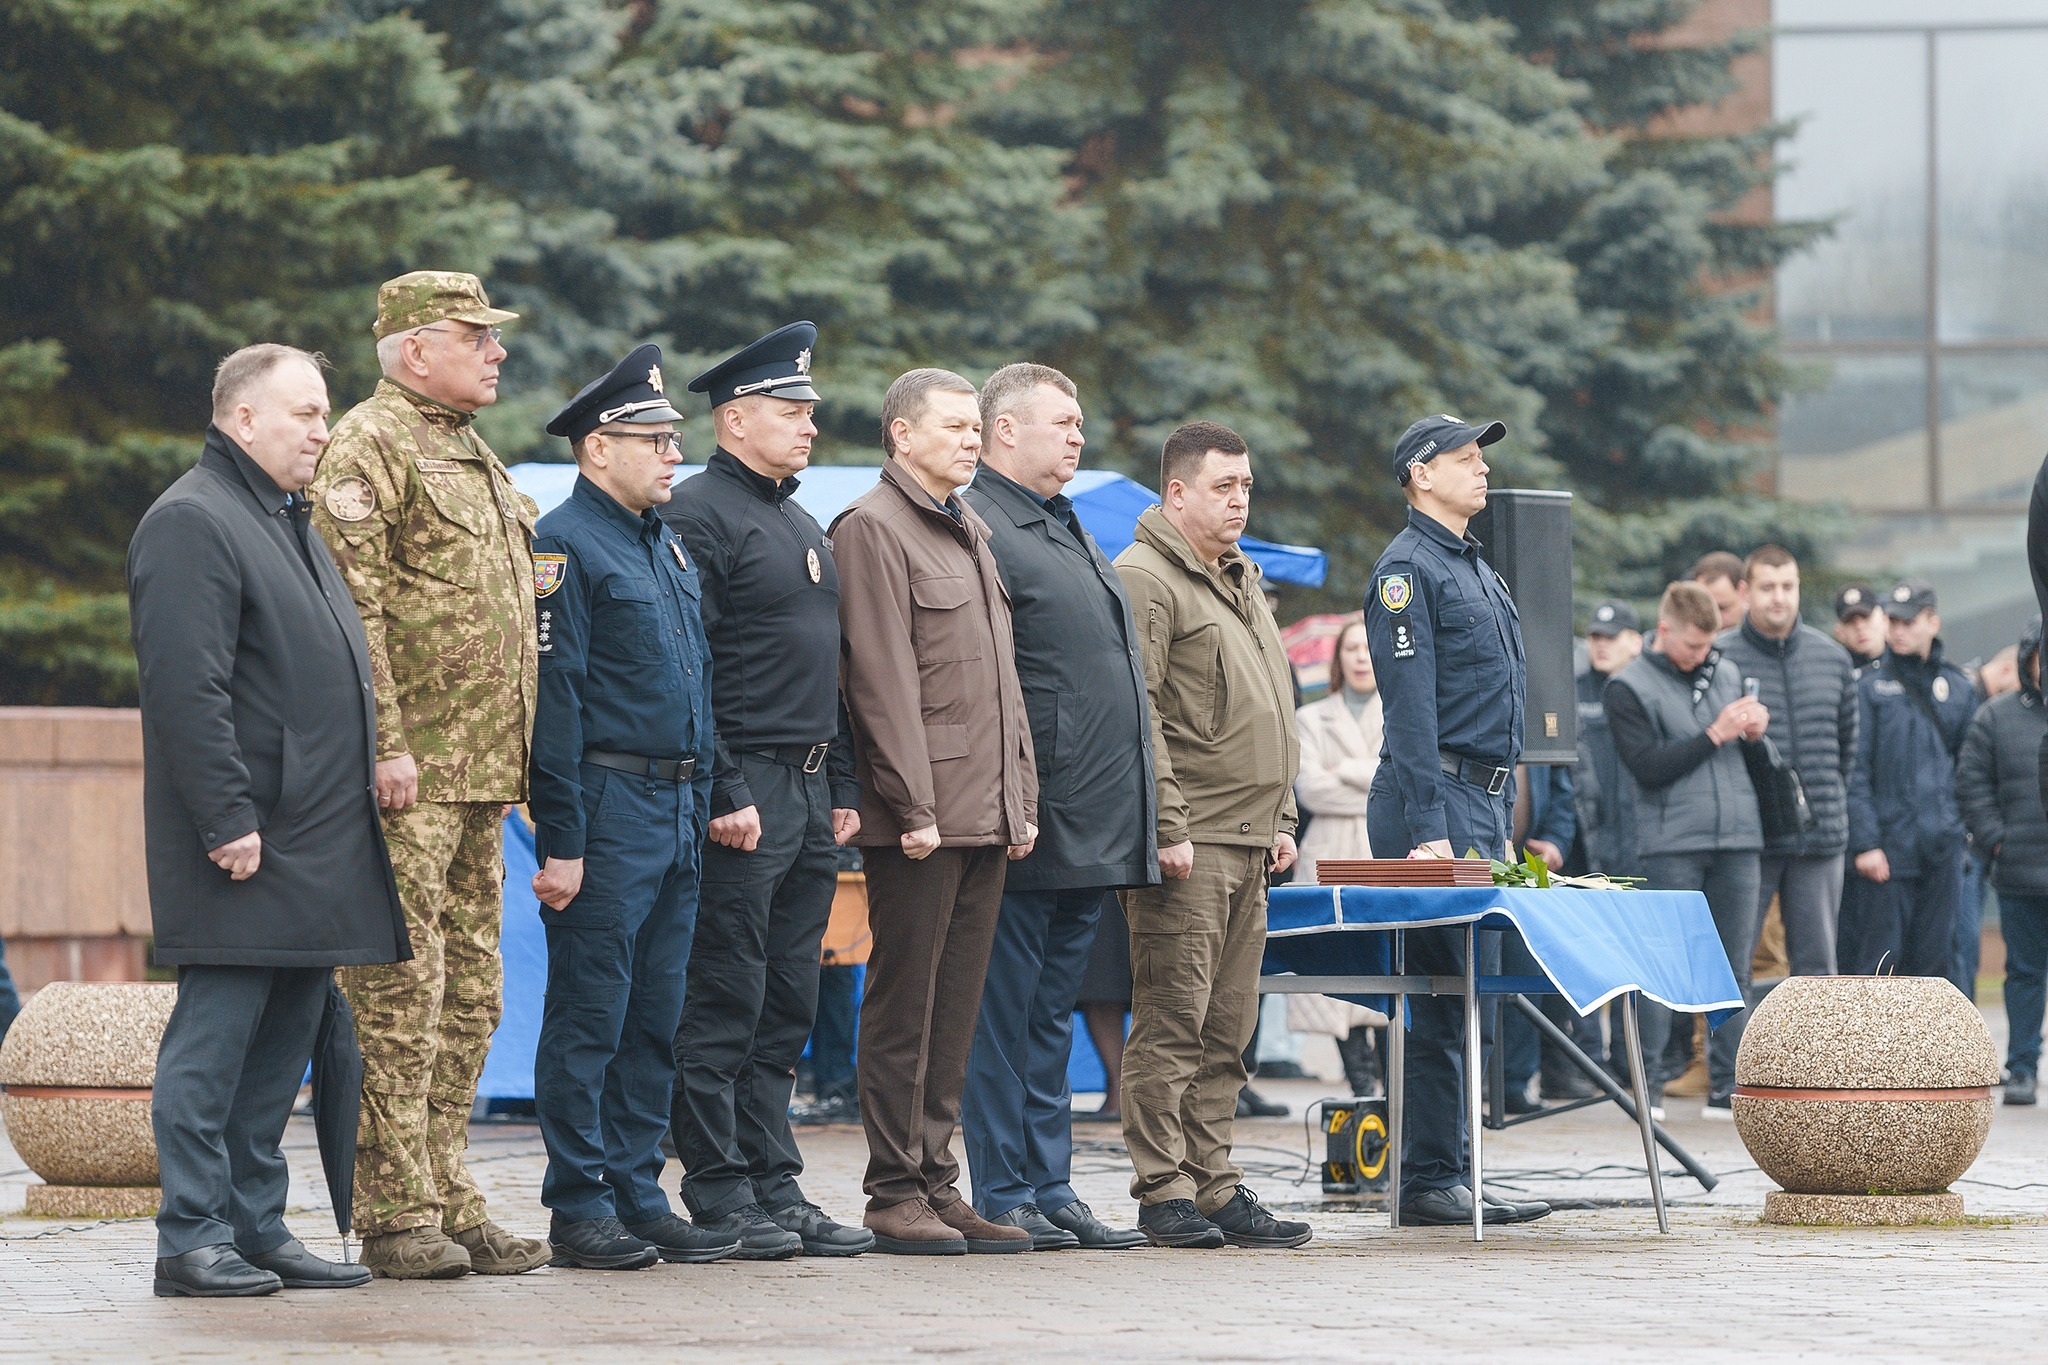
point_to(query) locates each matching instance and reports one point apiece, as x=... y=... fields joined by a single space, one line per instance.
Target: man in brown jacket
x=949 y=786
x=1224 y=756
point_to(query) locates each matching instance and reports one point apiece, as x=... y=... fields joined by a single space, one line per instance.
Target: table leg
x=1397 y=1081
x=1473 y=1057
x=1639 y=1082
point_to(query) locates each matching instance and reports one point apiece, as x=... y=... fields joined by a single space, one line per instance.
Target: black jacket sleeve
x=185 y=612
x=1652 y=763
x=1977 y=784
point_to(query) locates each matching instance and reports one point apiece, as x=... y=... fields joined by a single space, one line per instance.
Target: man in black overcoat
x=266 y=858
x=1084 y=692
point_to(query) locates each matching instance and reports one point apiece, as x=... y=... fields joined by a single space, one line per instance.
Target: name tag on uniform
x=438 y=466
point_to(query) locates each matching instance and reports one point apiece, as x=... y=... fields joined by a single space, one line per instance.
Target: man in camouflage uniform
x=436 y=544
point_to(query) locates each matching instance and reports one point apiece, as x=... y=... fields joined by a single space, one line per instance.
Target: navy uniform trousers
x=753 y=993
x=618 y=958
x=1021 y=1044
x=1436 y=1150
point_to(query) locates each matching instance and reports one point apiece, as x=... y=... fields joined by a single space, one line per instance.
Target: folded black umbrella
x=338 y=1104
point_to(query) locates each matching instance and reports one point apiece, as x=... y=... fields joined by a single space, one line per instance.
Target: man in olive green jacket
x=1225 y=756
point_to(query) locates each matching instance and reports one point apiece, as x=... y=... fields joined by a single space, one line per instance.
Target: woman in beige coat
x=1340 y=749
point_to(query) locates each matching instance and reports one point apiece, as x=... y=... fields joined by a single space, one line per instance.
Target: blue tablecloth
x=1592 y=944
x=508 y=1070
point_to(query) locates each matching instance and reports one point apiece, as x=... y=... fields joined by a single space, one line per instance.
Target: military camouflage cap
x=428 y=296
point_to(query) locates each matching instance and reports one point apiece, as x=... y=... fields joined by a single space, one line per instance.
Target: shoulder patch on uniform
x=1396 y=591
x=1404 y=641
x=427 y=466
x=351 y=499
x=547 y=573
x=1941 y=689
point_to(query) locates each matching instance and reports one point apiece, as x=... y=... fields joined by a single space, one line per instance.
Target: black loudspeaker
x=1527 y=535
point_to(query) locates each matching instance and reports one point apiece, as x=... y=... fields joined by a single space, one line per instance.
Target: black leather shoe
x=819 y=1234
x=1093 y=1233
x=1446 y=1208
x=301 y=1269
x=599 y=1244
x=1178 y=1223
x=215 y=1272
x=1518 y=1102
x=1246 y=1223
x=1252 y=1105
x=1519 y=1210
x=681 y=1241
x=760 y=1237
x=1044 y=1235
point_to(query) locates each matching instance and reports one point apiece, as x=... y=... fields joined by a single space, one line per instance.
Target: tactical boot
x=760 y=1238
x=822 y=1236
x=1246 y=1223
x=1178 y=1223
x=415 y=1254
x=598 y=1244
x=680 y=1240
x=494 y=1251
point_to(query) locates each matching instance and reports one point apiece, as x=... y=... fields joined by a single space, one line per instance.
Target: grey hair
x=388 y=359
x=239 y=372
x=910 y=396
x=1008 y=388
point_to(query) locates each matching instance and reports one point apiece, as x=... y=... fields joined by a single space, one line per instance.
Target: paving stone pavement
x=1587 y=1284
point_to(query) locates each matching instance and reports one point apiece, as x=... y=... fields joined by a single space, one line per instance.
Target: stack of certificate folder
x=1404 y=872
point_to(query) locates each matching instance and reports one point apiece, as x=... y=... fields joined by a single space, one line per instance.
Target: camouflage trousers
x=425 y=1025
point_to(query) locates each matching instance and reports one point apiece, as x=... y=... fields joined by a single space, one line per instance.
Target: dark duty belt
x=1494 y=780
x=661 y=769
x=809 y=757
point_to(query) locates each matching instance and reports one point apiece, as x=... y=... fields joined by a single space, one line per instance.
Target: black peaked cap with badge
x=1909 y=598
x=1856 y=599
x=1612 y=617
x=1430 y=436
x=632 y=393
x=777 y=366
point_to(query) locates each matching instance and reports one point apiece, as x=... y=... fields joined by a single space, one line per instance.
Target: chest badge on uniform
x=1941 y=689
x=811 y=563
x=351 y=499
x=547 y=573
x=675 y=548
x=1396 y=592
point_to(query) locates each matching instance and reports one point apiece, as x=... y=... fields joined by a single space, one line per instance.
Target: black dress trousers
x=752 y=996
x=227 y=1075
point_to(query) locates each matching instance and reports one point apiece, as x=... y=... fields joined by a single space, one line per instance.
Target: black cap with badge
x=1908 y=599
x=1857 y=599
x=631 y=393
x=1612 y=617
x=778 y=366
x=1432 y=436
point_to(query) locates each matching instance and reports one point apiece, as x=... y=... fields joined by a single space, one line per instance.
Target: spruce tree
x=179 y=178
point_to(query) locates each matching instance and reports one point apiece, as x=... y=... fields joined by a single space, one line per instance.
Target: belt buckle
x=1498 y=783
x=816 y=758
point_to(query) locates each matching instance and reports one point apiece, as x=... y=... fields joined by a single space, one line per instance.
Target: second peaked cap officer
x=622 y=748
x=783 y=797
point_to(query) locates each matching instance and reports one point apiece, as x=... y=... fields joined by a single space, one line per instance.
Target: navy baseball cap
x=777 y=365
x=631 y=393
x=1430 y=437
x=1612 y=617
x=1908 y=599
x=1857 y=599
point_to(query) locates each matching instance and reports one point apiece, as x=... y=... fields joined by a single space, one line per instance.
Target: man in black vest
x=266 y=857
x=1084 y=692
x=783 y=798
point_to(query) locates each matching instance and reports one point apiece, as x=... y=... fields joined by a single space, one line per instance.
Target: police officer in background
x=783 y=798
x=1447 y=646
x=622 y=750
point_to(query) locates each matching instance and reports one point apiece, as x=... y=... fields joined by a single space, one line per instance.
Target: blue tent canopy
x=1108 y=505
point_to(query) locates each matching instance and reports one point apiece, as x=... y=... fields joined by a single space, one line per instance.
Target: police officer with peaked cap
x=622 y=749
x=1447 y=646
x=783 y=798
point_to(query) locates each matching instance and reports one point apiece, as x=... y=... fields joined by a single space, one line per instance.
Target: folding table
x=1592 y=946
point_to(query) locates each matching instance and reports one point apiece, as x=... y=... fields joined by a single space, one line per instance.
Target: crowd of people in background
x=1916 y=787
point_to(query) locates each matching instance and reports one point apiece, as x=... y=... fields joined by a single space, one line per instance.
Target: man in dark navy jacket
x=1084 y=693
x=1905 y=829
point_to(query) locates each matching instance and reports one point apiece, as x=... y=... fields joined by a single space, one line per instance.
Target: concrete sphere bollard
x=79 y=1066
x=1865 y=1097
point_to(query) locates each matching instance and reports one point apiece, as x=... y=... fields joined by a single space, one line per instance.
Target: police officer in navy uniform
x=622 y=750
x=783 y=798
x=1447 y=646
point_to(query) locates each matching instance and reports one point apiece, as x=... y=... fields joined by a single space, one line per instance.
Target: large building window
x=1923 y=135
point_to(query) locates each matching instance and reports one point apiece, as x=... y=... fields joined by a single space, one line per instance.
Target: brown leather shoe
x=495 y=1251
x=415 y=1254
x=981 y=1235
x=912 y=1229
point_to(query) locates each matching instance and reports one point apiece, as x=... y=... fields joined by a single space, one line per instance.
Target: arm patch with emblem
x=1397 y=590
